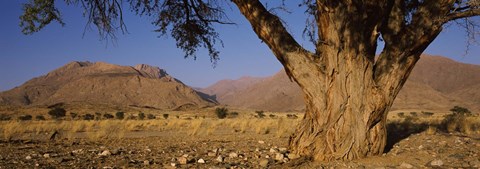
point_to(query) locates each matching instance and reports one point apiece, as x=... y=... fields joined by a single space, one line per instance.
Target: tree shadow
x=399 y=130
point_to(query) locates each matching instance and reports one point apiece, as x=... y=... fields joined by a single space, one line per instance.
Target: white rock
x=201 y=161
x=46 y=156
x=436 y=163
x=233 y=155
x=264 y=163
x=28 y=157
x=219 y=159
x=406 y=165
x=173 y=164
x=261 y=142
x=279 y=156
x=105 y=153
x=272 y=150
x=292 y=156
x=211 y=154
x=146 y=162
x=182 y=160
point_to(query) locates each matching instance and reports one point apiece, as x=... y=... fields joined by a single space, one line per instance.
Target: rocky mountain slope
x=103 y=83
x=436 y=83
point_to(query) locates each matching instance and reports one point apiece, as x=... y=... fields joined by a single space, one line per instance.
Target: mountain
x=436 y=83
x=103 y=83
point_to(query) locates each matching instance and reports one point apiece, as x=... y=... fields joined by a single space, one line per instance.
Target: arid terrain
x=100 y=115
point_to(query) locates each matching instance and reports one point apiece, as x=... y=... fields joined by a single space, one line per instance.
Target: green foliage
x=25 y=117
x=454 y=121
x=37 y=14
x=221 y=112
x=141 y=116
x=108 y=116
x=120 y=115
x=260 y=114
x=57 y=113
x=151 y=116
x=165 y=116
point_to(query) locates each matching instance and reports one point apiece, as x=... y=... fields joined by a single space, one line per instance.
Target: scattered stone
x=201 y=161
x=46 y=155
x=182 y=160
x=116 y=151
x=173 y=164
x=105 y=153
x=219 y=159
x=279 y=156
x=212 y=154
x=233 y=155
x=436 y=163
x=283 y=150
x=261 y=142
x=272 y=150
x=292 y=156
x=146 y=162
x=264 y=163
x=28 y=157
x=406 y=165
x=78 y=151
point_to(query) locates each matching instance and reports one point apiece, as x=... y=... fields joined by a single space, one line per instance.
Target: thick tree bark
x=347 y=91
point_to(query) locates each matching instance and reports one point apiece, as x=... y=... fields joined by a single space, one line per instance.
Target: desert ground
x=200 y=139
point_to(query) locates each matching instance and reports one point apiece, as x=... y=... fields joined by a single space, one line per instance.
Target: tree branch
x=464 y=14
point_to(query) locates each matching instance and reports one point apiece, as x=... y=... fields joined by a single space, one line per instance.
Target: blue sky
x=23 y=57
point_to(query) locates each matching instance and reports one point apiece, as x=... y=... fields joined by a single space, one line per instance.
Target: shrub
x=108 y=116
x=413 y=113
x=221 y=112
x=57 y=113
x=25 y=117
x=460 y=110
x=401 y=114
x=120 y=115
x=426 y=113
x=141 y=115
x=39 y=117
x=260 y=114
x=73 y=115
x=151 y=116
x=98 y=116
x=272 y=116
x=4 y=117
x=292 y=116
x=233 y=114
x=88 y=117
x=165 y=116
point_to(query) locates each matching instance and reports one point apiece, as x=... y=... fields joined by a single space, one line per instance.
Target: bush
x=4 y=117
x=165 y=116
x=292 y=116
x=272 y=116
x=460 y=110
x=413 y=113
x=88 y=117
x=427 y=113
x=151 y=116
x=39 y=117
x=108 y=116
x=221 y=112
x=401 y=114
x=57 y=113
x=98 y=116
x=260 y=114
x=120 y=115
x=233 y=114
x=25 y=117
x=73 y=115
x=141 y=115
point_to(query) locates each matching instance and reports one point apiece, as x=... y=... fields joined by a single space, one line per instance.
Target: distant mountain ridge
x=436 y=83
x=103 y=83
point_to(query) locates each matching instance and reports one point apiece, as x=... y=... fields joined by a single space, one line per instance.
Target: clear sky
x=23 y=57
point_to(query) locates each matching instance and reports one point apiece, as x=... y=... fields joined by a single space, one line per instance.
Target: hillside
x=103 y=83
x=436 y=83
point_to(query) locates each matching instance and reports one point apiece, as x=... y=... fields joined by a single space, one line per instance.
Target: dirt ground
x=214 y=143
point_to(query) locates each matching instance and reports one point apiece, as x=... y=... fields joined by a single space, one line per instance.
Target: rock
x=261 y=142
x=212 y=154
x=292 y=156
x=105 y=153
x=116 y=151
x=59 y=160
x=436 y=163
x=272 y=150
x=28 y=157
x=279 y=156
x=219 y=159
x=78 y=151
x=283 y=150
x=173 y=164
x=146 y=162
x=201 y=161
x=46 y=155
x=233 y=155
x=264 y=163
x=406 y=165
x=182 y=160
